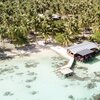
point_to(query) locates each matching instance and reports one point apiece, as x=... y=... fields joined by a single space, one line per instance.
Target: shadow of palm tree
x=30 y=47
x=4 y=56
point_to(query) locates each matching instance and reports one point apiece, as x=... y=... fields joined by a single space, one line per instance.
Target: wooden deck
x=64 y=70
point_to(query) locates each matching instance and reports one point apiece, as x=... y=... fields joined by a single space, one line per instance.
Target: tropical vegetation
x=20 y=17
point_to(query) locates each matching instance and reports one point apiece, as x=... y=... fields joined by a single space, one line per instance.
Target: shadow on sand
x=30 y=47
x=4 y=56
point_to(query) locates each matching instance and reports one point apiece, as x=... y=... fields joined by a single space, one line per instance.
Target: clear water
x=33 y=78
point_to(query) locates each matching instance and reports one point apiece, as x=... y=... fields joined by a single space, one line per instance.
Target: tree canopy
x=19 y=17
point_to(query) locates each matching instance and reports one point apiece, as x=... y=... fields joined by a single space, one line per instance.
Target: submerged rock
x=31 y=73
x=85 y=99
x=16 y=67
x=75 y=77
x=58 y=58
x=65 y=85
x=71 y=97
x=28 y=86
x=84 y=68
x=91 y=85
x=34 y=92
x=8 y=93
x=34 y=64
x=9 y=70
x=19 y=73
x=1 y=79
x=29 y=65
x=96 y=97
x=97 y=74
x=95 y=80
x=31 y=80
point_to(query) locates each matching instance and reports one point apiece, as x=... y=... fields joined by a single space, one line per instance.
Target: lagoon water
x=33 y=78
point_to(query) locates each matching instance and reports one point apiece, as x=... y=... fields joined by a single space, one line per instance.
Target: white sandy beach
x=58 y=49
x=62 y=51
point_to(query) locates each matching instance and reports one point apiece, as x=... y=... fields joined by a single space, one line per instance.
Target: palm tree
x=44 y=30
x=21 y=16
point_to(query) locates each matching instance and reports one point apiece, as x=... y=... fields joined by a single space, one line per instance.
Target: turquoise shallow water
x=33 y=78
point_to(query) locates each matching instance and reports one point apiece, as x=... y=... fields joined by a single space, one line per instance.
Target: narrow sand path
x=62 y=51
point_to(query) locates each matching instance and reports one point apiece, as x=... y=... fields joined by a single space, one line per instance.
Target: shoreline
x=60 y=50
x=34 y=47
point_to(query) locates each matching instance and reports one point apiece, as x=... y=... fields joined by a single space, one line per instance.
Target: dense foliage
x=19 y=17
x=96 y=36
